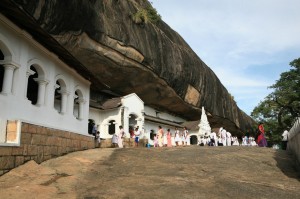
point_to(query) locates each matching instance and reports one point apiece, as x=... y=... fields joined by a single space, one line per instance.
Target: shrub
x=143 y=16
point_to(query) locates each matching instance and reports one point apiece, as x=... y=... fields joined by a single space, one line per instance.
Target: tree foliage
x=279 y=109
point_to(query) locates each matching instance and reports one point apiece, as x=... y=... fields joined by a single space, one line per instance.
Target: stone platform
x=178 y=172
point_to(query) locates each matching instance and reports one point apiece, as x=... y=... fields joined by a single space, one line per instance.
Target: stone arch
x=8 y=64
x=107 y=122
x=60 y=94
x=111 y=127
x=6 y=49
x=132 y=121
x=39 y=66
x=36 y=82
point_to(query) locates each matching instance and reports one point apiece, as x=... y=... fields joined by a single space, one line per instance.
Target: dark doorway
x=152 y=134
x=193 y=140
x=111 y=127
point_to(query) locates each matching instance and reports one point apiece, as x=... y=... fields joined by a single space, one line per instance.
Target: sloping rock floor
x=180 y=172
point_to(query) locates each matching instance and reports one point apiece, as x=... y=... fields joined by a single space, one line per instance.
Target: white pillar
x=64 y=100
x=8 y=78
x=41 y=92
x=28 y=73
x=80 y=108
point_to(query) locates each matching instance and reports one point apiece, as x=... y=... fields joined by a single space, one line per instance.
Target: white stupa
x=204 y=127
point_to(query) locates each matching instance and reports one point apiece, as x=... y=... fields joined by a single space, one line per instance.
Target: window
x=10 y=132
x=152 y=134
x=132 y=120
x=57 y=97
x=32 y=88
x=112 y=127
x=91 y=126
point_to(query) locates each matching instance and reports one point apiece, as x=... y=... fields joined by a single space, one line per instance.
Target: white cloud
x=239 y=40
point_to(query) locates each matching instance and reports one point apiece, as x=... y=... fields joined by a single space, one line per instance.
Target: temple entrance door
x=193 y=140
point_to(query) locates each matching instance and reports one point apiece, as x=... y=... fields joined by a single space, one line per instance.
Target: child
x=114 y=141
x=137 y=135
x=155 y=141
x=97 y=138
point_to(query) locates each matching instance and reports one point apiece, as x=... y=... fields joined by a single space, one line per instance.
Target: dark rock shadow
x=288 y=164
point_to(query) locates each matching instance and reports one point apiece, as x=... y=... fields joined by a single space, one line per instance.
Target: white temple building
x=129 y=111
x=37 y=87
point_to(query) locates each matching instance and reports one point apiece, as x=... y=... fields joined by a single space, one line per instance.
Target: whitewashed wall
x=294 y=140
x=19 y=48
x=149 y=125
x=133 y=105
x=152 y=112
x=102 y=119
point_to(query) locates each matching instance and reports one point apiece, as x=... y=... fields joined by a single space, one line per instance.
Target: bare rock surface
x=181 y=172
x=149 y=59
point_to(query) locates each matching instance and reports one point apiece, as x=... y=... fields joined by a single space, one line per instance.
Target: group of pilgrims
x=224 y=138
x=162 y=139
x=182 y=138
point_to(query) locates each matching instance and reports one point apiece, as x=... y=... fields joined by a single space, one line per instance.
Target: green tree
x=279 y=109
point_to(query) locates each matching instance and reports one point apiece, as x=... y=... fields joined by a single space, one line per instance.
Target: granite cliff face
x=149 y=59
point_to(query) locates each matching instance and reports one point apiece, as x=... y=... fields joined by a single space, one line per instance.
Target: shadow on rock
x=287 y=163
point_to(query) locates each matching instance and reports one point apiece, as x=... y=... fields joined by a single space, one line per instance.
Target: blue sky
x=247 y=43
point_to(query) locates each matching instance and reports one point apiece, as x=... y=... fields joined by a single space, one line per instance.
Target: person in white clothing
x=165 y=142
x=120 y=137
x=202 y=141
x=137 y=134
x=177 y=137
x=185 y=136
x=284 y=142
x=228 y=138
x=220 y=132
x=235 y=141
x=213 y=138
x=223 y=136
x=114 y=140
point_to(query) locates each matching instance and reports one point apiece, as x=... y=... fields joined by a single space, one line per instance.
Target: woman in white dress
x=177 y=137
x=165 y=141
x=114 y=140
x=120 y=137
x=185 y=134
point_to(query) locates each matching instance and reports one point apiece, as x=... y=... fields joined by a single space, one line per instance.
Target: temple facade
x=129 y=111
x=36 y=87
